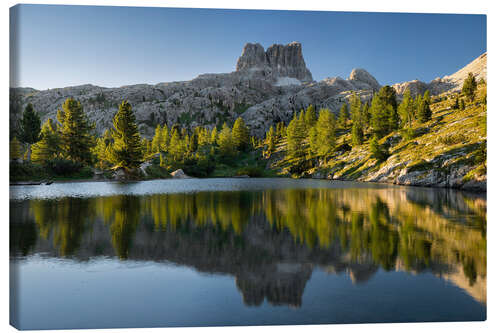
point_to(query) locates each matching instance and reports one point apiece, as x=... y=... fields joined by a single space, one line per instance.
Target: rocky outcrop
x=278 y=61
x=362 y=76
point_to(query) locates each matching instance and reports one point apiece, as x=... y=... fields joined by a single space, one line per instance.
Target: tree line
x=69 y=141
x=310 y=137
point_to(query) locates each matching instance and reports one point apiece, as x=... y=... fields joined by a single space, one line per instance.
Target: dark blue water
x=244 y=252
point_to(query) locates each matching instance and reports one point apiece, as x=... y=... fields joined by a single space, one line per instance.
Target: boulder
x=179 y=174
x=120 y=174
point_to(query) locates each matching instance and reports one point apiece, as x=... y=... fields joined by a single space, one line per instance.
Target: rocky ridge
x=267 y=86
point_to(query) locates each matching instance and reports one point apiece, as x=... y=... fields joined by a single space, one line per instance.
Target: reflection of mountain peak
x=266 y=239
x=280 y=284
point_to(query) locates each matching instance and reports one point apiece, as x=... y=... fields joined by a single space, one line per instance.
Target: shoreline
x=91 y=180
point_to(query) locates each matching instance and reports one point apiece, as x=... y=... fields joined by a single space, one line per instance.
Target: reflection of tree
x=65 y=220
x=22 y=233
x=123 y=222
x=248 y=233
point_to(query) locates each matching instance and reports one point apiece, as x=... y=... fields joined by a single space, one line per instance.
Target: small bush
x=452 y=139
x=378 y=151
x=155 y=171
x=26 y=171
x=61 y=167
x=420 y=165
x=343 y=148
x=252 y=171
x=408 y=134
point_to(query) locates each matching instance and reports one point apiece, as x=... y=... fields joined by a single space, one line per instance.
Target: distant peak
x=281 y=60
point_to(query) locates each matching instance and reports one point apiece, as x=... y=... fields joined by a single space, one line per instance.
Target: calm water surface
x=201 y=252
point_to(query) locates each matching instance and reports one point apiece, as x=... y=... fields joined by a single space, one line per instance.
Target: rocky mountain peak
x=253 y=56
x=277 y=61
x=362 y=75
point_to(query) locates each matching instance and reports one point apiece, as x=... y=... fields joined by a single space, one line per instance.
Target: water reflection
x=270 y=240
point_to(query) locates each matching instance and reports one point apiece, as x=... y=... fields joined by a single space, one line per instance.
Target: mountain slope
x=447 y=151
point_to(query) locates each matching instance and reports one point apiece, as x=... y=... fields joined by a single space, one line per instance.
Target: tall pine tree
x=76 y=139
x=30 y=128
x=126 y=151
x=469 y=87
x=240 y=135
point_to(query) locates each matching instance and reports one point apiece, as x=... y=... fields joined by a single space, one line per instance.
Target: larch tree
x=76 y=139
x=30 y=128
x=176 y=147
x=310 y=117
x=240 y=135
x=325 y=133
x=357 y=134
x=126 y=151
x=406 y=109
x=15 y=149
x=157 y=138
x=49 y=147
x=424 y=112
x=225 y=142
x=469 y=87
x=343 y=116
x=294 y=137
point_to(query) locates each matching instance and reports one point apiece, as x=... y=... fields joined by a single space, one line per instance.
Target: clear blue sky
x=113 y=46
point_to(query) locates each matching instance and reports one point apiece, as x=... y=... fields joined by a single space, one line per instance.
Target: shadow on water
x=269 y=240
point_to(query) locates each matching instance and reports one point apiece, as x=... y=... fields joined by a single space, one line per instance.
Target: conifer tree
x=225 y=142
x=427 y=97
x=49 y=147
x=213 y=135
x=456 y=105
x=203 y=137
x=102 y=150
x=310 y=117
x=365 y=115
x=344 y=116
x=76 y=139
x=193 y=142
x=176 y=146
x=164 y=139
x=156 y=142
x=469 y=87
x=355 y=105
x=357 y=120
x=387 y=95
x=357 y=133
x=30 y=128
x=325 y=133
x=294 y=137
x=240 y=135
x=381 y=114
x=270 y=140
x=377 y=151
x=406 y=109
x=424 y=112
x=126 y=151
x=15 y=149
